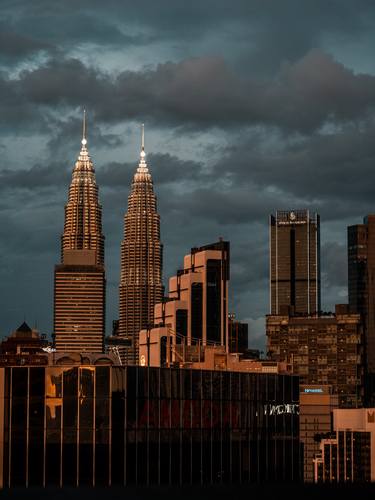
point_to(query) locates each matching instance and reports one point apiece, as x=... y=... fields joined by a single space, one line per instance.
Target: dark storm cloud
x=225 y=207
x=293 y=24
x=61 y=29
x=21 y=238
x=290 y=29
x=65 y=134
x=67 y=82
x=323 y=171
x=314 y=91
x=165 y=169
x=16 y=46
x=52 y=175
x=334 y=264
x=305 y=95
x=38 y=176
x=243 y=275
x=17 y=114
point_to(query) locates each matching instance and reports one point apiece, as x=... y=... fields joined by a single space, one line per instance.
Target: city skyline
x=238 y=126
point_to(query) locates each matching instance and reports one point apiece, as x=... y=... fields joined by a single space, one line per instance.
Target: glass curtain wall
x=100 y=425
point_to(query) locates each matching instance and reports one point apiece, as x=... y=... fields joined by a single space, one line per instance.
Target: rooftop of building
x=219 y=245
x=288 y=217
x=287 y=313
x=24 y=332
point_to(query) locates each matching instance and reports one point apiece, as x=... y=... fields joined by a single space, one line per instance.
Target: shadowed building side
x=79 y=298
x=361 y=291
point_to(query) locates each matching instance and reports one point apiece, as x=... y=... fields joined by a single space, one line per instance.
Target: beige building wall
x=207 y=266
x=180 y=286
x=79 y=313
x=361 y=419
x=316 y=405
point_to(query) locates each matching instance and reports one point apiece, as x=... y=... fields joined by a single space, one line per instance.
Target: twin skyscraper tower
x=79 y=288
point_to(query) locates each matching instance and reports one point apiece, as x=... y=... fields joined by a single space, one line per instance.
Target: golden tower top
x=142 y=173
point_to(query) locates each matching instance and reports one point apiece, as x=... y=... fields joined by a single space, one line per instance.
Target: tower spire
x=143 y=153
x=84 y=155
x=84 y=140
x=142 y=166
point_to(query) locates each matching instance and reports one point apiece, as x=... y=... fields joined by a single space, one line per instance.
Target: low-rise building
x=315 y=420
x=348 y=453
x=90 y=425
x=24 y=346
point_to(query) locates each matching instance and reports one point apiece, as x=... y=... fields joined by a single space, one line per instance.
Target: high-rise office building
x=361 y=281
x=295 y=261
x=201 y=290
x=195 y=313
x=323 y=350
x=141 y=260
x=79 y=298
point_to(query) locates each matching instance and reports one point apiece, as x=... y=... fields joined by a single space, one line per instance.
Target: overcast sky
x=249 y=106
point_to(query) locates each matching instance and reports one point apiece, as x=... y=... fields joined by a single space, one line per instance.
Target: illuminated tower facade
x=141 y=260
x=79 y=298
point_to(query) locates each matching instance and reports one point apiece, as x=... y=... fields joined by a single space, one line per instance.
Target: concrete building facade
x=325 y=350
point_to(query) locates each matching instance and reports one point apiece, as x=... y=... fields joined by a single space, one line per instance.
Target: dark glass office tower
x=101 y=426
x=361 y=281
x=295 y=261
